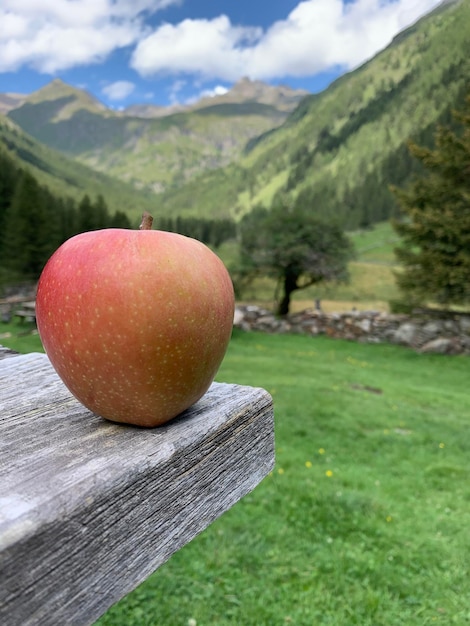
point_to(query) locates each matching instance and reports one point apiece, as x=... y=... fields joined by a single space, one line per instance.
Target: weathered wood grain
x=88 y=509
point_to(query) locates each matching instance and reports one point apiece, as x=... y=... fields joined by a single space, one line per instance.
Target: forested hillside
x=66 y=177
x=340 y=150
x=34 y=221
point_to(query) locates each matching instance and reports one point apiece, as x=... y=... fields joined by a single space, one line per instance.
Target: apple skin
x=136 y=323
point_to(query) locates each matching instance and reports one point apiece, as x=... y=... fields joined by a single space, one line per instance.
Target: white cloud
x=315 y=36
x=207 y=47
x=219 y=90
x=54 y=35
x=118 y=90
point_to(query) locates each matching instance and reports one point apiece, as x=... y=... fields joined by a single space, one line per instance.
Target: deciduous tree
x=294 y=246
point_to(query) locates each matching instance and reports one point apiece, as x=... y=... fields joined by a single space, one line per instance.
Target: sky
x=175 y=51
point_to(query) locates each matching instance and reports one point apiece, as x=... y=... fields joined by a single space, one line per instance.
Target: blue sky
x=173 y=51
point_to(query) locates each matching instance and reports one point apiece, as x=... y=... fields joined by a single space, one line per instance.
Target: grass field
x=20 y=336
x=364 y=519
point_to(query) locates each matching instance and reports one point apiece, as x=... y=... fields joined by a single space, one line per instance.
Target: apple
x=136 y=323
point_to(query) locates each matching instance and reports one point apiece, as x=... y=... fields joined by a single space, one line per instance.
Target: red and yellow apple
x=136 y=323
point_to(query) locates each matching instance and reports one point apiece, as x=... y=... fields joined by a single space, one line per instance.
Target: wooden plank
x=5 y=353
x=88 y=508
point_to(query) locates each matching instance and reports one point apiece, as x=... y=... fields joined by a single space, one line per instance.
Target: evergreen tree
x=435 y=229
x=69 y=217
x=119 y=220
x=31 y=229
x=100 y=213
x=8 y=177
x=86 y=215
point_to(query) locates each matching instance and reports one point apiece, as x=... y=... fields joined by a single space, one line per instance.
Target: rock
x=440 y=336
x=238 y=317
x=432 y=329
x=442 y=345
x=406 y=334
x=464 y=323
x=365 y=325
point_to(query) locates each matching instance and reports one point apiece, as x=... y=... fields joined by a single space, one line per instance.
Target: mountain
x=9 y=101
x=283 y=98
x=339 y=151
x=67 y=178
x=147 y=146
x=336 y=152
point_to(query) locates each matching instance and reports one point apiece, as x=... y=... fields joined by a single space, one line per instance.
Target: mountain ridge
x=341 y=149
x=153 y=151
x=337 y=151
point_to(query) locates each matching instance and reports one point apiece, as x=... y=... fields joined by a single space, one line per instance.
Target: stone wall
x=425 y=332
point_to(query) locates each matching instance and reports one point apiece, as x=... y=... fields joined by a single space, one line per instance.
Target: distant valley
x=156 y=148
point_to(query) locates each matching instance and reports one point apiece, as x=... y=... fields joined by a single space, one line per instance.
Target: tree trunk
x=289 y=285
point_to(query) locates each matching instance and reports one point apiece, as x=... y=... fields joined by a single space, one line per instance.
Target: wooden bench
x=88 y=508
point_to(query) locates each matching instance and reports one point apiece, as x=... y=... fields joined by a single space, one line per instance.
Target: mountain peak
x=57 y=88
x=247 y=90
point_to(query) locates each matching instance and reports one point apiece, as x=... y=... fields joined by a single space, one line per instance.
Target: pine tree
x=100 y=213
x=119 y=220
x=86 y=215
x=31 y=229
x=8 y=178
x=435 y=228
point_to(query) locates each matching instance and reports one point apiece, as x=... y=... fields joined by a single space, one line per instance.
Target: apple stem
x=147 y=221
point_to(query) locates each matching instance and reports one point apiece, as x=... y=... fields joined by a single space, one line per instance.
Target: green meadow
x=364 y=519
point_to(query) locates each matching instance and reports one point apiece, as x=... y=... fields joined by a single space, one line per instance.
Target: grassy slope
x=364 y=520
x=66 y=177
x=402 y=92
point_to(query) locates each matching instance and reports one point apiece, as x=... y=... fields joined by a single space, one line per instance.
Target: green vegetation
x=20 y=336
x=153 y=153
x=435 y=231
x=295 y=247
x=65 y=177
x=365 y=517
x=211 y=232
x=34 y=222
x=371 y=286
x=341 y=149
